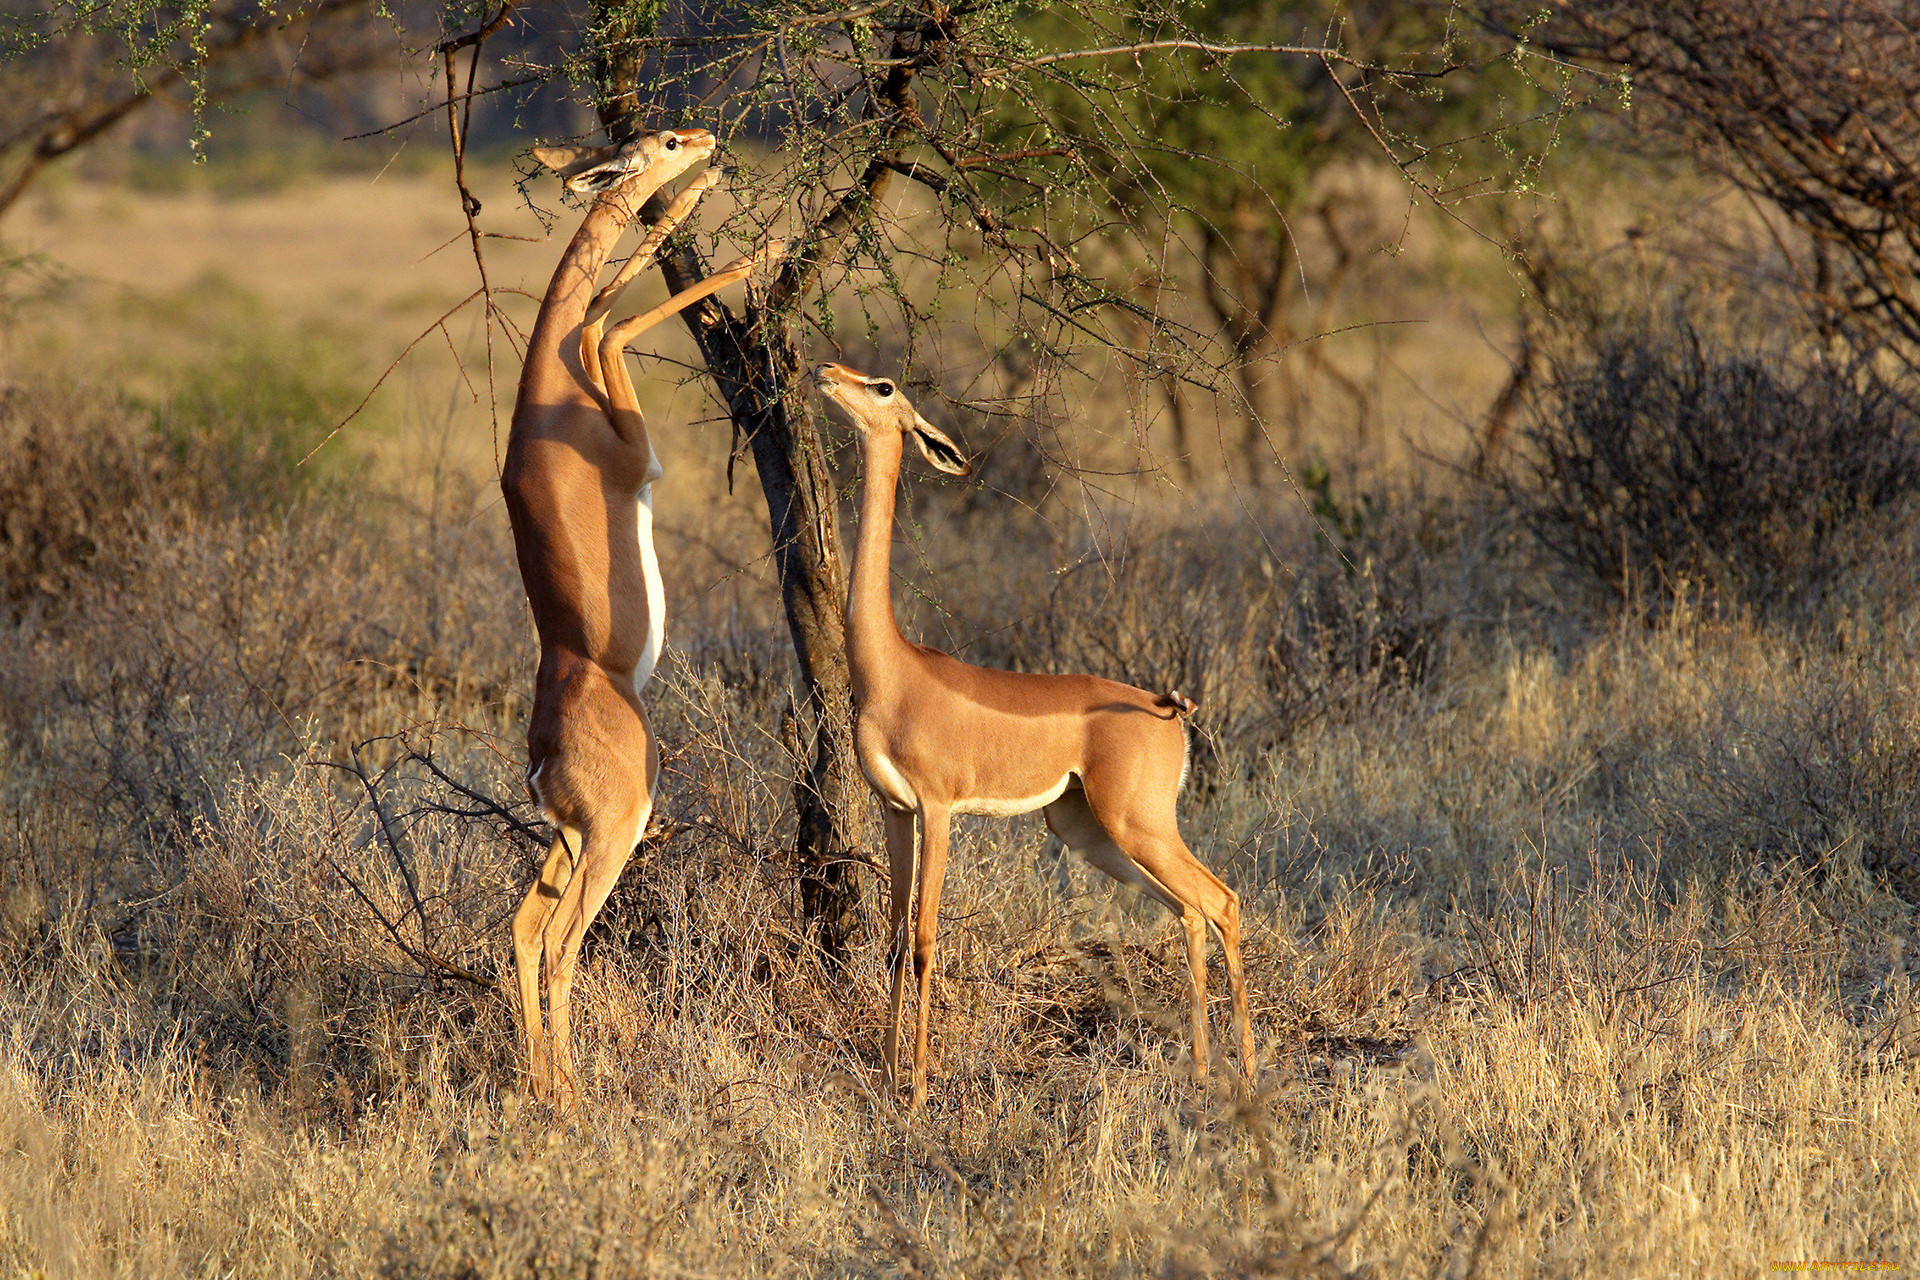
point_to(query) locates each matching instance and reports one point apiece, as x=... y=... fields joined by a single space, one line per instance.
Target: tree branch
x=1321 y=52
x=80 y=124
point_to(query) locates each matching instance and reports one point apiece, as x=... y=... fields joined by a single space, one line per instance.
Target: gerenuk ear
x=576 y=165
x=939 y=448
x=561 y=158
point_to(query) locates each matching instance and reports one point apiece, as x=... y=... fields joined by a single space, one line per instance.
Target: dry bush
x=1659 y=462
x=193 y=665
x=1817 y=769
x=1701 y=747
x=85 y=474
x=204 y=652
x=1331 y=615
x=1807 y=106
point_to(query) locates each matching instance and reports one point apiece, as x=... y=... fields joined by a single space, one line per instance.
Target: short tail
x=1177 y=702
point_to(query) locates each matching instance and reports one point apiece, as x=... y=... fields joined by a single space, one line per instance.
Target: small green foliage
x=1204 y=132
x=147 y=38
x=1349 y=521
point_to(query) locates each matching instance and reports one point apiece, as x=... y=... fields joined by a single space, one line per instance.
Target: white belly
x=997 y=808
x=884 y=776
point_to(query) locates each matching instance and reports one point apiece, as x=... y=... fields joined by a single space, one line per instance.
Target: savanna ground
x=1578 y=883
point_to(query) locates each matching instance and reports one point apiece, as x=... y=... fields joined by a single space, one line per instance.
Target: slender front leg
x=633 y=326
x=529 y=923
x=649 y=248
x=934 y=823
x=900 y=894
x=609 y=362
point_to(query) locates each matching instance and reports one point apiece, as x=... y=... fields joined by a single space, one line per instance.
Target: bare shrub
x=196 y=659
x=1660 y=461
x=84 y=476
x=1808 y=105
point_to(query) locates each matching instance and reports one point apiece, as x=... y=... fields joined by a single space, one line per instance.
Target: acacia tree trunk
x=754 y=375
x=753 y=363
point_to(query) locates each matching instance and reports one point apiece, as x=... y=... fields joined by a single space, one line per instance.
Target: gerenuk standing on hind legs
x=579 y=479
x=936 y=737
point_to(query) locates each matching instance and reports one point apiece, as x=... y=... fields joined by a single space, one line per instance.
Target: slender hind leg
x=1160 y=864
x=1195 y=925
x=606 y=845
x=1200 y=899
x=529 y=924
x=1229 y=926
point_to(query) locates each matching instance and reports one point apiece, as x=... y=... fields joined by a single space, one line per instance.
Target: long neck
x=565 y=305
x=872 y=634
